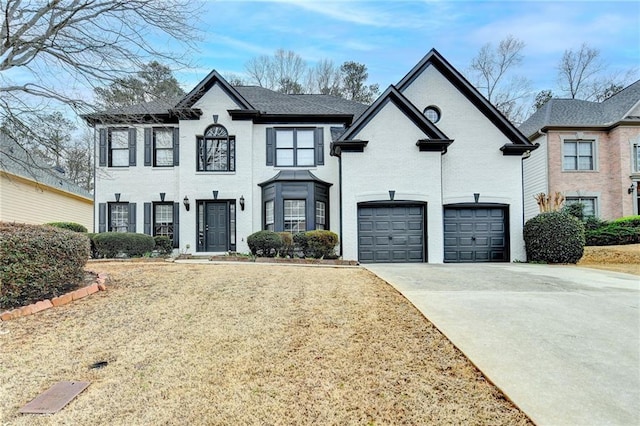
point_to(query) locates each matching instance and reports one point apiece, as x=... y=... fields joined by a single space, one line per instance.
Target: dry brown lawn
x=624 y=258
x=244 y=344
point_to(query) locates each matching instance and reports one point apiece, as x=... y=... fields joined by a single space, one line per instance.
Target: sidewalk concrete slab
x=562 y=342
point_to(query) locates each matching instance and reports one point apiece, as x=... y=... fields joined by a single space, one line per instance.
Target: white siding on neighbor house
x=391 y=161
x=474 y=162
x=25 y=201
x=536 y=178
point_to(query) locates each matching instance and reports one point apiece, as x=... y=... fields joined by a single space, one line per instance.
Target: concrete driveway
x=562 y=342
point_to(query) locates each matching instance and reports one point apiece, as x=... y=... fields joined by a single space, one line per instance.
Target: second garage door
x=391 y=233
x=476 y=234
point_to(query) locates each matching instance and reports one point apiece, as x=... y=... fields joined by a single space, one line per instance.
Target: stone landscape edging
x=61 y=300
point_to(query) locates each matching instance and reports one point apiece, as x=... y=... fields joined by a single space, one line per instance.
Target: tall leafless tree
x=493 y=71
x=53 y=53
x=578 y=70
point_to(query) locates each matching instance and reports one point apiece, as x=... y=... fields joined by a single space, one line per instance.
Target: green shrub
x=613 y=233
x=264 y=243
x=318 y=244
x=39 y=262
x=72 y=226
x=593 y=222
x=287 y=249
x=574 y=209
x=163 y=244
x=628 y=221
x=112 y=244
x=301 y=243
x=554 y=237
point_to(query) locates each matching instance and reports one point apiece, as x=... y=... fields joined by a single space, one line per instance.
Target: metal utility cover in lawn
x=55 y=398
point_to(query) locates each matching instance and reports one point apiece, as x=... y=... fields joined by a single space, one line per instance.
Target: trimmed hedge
x=288 y=248
x=72 y=226
x=264 y=243
x=625 y=230
x=112 y=244
x=163 y=244
x=39 y=262
x=317 y=244
x=554 y=237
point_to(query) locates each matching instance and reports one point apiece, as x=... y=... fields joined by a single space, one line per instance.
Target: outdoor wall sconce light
x=215 y=194
x=392 y=194
x=162 y=195
x=631 y=188
x=476 y=196
x=186 y=202
x=242 y=202
x=117 y=195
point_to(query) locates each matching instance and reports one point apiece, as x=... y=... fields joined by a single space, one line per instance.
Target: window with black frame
x=216 y=150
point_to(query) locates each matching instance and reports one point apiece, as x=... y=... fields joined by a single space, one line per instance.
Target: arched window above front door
x=216 y=150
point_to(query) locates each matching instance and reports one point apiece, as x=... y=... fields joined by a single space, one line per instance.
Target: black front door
x=216 y=227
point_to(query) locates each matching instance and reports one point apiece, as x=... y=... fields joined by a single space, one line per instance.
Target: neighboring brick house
x=33 y=192
x=589 y=151
x=430 y=172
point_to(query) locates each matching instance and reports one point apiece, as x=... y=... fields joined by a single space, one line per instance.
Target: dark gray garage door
x=391 y=233
x=475 y=234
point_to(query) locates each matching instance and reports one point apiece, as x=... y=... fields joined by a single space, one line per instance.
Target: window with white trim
x=589 y=204
x=118 y=147
x=295 y=216
x=636 y=158
x=162 y=147
x=578 y=155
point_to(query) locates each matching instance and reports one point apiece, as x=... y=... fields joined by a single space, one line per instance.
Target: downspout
x=340 y=200
x=93 y=154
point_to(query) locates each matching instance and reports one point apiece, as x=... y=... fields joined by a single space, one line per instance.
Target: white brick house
x=430 y=172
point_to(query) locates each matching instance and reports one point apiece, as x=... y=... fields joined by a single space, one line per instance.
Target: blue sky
x=392 y=36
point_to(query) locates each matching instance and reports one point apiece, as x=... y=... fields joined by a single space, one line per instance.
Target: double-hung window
x=588 y=204
x=321 y=215
x=118 y=217
x=162 y=147
x=163 y=220
x=295 y=216
x=118 y=147
x=578 y=155
x=216 y=150
x=269 y=217
x=295 y=147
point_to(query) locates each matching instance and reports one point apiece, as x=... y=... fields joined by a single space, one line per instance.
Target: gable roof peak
x=205 y=85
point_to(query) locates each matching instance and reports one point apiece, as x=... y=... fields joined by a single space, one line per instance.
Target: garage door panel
x=396 y=234
x=475 y=234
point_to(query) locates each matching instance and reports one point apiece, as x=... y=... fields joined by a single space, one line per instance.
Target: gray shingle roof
x=579 y=113
x=264 y=100
x=17 y=161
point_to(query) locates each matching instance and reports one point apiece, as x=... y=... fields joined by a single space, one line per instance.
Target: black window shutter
x=176 y=146
x=132 y=147
x=147 y=146
x=102 y=151
x=132 y=217
x=147 y=218
x=176 y=225
x=271 y=145
x=319 y=144
x=102 y=217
